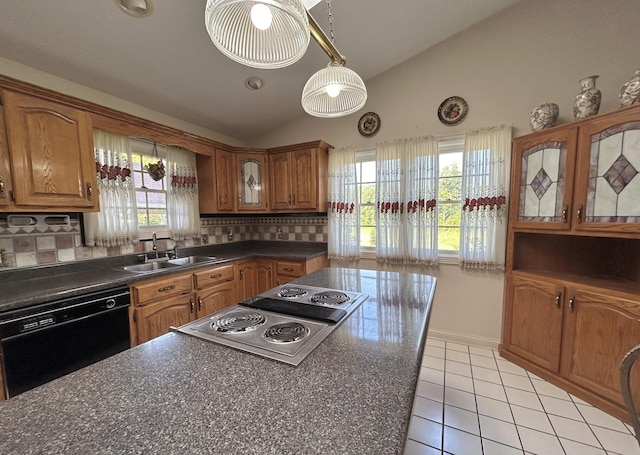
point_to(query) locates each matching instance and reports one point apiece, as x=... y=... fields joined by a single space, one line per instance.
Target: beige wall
x=531 y=53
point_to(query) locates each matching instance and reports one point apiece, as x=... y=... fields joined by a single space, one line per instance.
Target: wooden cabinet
x=215 y=289
x=6 y=186
x=299 y=177
x=246 y=285
x=265 y=275
x=572 y=295
x=50 y=154
x=252 y=182
x=288 y=270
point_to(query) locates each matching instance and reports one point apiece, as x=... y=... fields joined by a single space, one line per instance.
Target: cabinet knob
x=2 y=194
x=199 y=304
x=571 y=301
x=89 y=192
x=288 y=269
x=558 y=299
x=565 y=209
x=191 y=307
x=579 y=213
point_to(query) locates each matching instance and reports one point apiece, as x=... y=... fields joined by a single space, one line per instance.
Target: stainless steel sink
x=191 y=260
x=149 y=266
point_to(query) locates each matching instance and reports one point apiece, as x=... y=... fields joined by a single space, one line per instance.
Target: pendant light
x=334 y=91
x=259 y=33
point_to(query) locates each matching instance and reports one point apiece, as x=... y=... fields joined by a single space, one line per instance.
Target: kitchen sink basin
x=191 y=260
x=149 y=266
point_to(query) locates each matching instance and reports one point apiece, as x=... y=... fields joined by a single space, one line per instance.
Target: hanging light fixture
x=259 y=33
x=334 y=91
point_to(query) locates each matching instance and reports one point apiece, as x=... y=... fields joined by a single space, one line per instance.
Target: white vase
x=544 y=116
x=588 y=100
x=630 y=90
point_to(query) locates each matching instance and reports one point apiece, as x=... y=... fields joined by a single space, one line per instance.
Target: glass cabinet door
x=543 y=179
x=251 y=194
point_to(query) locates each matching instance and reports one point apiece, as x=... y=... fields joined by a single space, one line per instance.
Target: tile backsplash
x=28 y=246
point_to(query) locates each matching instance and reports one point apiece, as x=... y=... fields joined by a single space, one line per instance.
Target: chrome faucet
x=154 y=238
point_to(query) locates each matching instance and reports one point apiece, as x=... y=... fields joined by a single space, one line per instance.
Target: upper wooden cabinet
x=252 y=182
x=597 y=194
x=299 y=177
x=49 y=147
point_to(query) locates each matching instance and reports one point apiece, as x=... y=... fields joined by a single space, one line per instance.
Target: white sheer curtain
x=407 y=182
x=117 y=222
x=343 y=214
x=485 y=183
x=183 y=214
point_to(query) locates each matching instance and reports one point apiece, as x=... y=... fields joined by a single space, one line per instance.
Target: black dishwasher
x=43 y=342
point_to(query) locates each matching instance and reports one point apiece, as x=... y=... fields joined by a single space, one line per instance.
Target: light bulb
x=333 y=90
x=261 y=16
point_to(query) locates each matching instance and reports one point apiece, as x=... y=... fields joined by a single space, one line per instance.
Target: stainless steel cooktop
x=285 y=323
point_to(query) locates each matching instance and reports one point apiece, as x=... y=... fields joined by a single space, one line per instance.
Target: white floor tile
x=543 y=387
x=523 y=398
x=428 y=409
x=430 y=390
x=561 y=408
x=461 y=419
x=508 y=367
x=435 y=342
x=499 y=431
x=457 y=381
x=484 y=362
x=495 y=448
x=540 y=443
x=574 y=430
x=434 y=351
x=431 y=375
x=617 y=442
x=595 y=416
x=486 y=352
x=530 y=418
x=517 y=382
x=494 y=408
x=489 y=390
x=458 y=368
x=458 y=442
x=576 y=448
x=486 y=374
x=436 y=363
x=416 y=448
x=457 y=346
x=458 y=356
x=426 y=432
x=460 y=399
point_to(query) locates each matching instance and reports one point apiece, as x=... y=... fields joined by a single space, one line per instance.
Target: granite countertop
x=29 y=286
x=177 y=394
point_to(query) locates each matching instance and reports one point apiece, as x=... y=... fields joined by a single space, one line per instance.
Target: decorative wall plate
x=369 y=124
x=452 y=110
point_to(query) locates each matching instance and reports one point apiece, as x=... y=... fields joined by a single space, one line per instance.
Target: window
x=449 y=203
x=151 y=195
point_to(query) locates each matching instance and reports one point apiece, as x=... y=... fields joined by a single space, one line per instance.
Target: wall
x=34 y=245
x=530 y=53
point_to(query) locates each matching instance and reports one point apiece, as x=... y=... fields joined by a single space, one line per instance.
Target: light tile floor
x=470 y=401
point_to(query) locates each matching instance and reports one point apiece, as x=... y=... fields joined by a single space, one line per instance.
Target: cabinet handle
x=240 y=198
x=216 y=275
x=89 y=192
x=167 y=288
x=579 y=214
x=2 y=195
x=241 y=273
x=571 y=300
x=558 y=299
x=191 y=307
x=565 y=209
x=288 y=269
x=199 y=304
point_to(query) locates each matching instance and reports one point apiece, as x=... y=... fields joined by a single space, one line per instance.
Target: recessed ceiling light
x=254 y=83
x=135 y=8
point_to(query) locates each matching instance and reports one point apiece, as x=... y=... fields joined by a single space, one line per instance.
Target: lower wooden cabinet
x=246 y=279
x=265 y=276
x=155 y=319
x=215 y=298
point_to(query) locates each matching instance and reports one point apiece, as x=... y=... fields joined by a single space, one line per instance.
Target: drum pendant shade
x=334 y=91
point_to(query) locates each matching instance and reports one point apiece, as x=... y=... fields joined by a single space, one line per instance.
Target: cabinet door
x=156 y=318
x=542 y=179
x=607 y=181
x=599 y=330
x=289 y=270
x=214 y=276
x=161 y=288
x=252 y=182
x=305 y=186
x=246 y=283
x=216 y=298
x=534 y=329
x=265 y=278
x=281 y=195
x=5 y=169
x=225 y=180
x=51 y=149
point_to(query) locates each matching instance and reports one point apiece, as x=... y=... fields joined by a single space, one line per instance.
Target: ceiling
x=166 y=61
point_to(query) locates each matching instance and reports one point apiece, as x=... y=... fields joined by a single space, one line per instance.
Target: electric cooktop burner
x=238 y=322
x=291 y=292
x=289 y=332
x=330 y=297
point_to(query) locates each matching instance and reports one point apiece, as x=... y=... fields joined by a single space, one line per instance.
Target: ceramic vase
x=588 y=100
x=630 y=90
x=544 y=116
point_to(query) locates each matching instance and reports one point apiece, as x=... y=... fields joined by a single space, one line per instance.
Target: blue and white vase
x=588 y=100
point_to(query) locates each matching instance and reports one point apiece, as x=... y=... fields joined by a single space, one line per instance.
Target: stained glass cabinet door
x=542 y=179
x=607 y=195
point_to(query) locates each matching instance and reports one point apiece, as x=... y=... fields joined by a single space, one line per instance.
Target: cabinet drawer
x=148 y=291
x=296 y=269
x=211 y=277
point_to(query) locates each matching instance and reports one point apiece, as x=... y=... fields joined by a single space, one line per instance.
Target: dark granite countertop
x=177 y=394
x=29 y=286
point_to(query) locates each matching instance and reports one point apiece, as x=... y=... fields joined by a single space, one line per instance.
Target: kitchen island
x=177 y=394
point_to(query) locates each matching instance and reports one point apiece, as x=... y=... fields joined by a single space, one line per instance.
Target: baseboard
x=472 y=340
